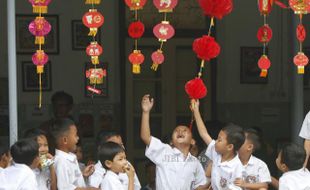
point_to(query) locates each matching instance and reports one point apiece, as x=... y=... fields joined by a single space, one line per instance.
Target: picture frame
x=103 y=87
x=249 y=70
x=30 y=78
x=306 y=50
x=26 y=41
x=4 y=89
x=80 y=38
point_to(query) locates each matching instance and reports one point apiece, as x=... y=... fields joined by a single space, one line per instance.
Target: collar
x=69 y=156
x=251 y=161
x=178 y=152
x=230 y=163
x=111 y=173
x=301 y=170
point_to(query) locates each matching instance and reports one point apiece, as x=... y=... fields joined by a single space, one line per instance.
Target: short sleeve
x=156 y=150
x=264 y=174
x=200 y=177
x=95 y=179
x=283 y=185
x=210 y=152
x=305 y=128
x=30 y=183
x=63 y=177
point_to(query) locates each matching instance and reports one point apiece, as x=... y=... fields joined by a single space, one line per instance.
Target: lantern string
x=136 y=44
x=211 y=25
x=40 y=88
x=161 y=45
x=136 y=14
x=165 y=16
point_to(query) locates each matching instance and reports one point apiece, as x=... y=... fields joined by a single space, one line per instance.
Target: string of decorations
x=163 y=31
x=93 y=20
x=40 y=27
x=136 y=31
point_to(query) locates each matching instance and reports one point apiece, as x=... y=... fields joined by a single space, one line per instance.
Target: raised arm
x=146 y=105
x=200 y=125
x=307 y=148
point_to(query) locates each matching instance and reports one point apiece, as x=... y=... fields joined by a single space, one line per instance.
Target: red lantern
x=157 y=58
x=136 y=58
x=163 y=31
x=136 y=29
x=264 y=64
x=39 y=28
x=39 y=6
x=265 y=6
x=95 y=2
x=96 y=75
x=300 y=6
x=264 y=34
x=94 y=50
x=301 y=60
x=206 y=48
x=93 y=20
x=165 y=6
x=196 y=89
x=135 y=4
x=301 y=33
x=40 y=58
x=216 y=8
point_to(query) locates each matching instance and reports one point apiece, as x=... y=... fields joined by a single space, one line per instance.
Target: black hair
x=61 y=95
x=60 y=128
x=293 y=156
x=4 y=149
x=34 y=133
x=108 y=151
x=253 y=136
x=25 y=151
x=104 y=135
x=235 y=135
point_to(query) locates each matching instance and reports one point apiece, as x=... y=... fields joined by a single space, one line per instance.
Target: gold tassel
x=96 y=2
x=154 y=66
x=92 y=32
x=95 y=80
x=301 y=70
x=39 y=9
x=95 y=60
x=263 y=73
x=40 y=70
x=136 y=69
x=39 y=40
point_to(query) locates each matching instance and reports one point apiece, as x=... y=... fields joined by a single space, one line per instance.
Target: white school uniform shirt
x=305 y=128
x=111 y=181
x=18 y=177
x=69 y=175
x=43 y=178
x=173 y=170
x=223 y=174
x=96 y=178
x=295 y=180
x=256 y=171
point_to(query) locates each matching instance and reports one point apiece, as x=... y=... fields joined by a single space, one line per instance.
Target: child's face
x=119 y=163
x=116 y=139
x=43 y=145
x=281 y=166
x=72 y=139
x=79 y=153
x=182 y=135
x=221 y=144
x=6 y=159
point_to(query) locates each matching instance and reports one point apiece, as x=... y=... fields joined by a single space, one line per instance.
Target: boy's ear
x=108 y=163
x=230 y=147
x=65 y=140
x=283 y=167
x=250 y=147
x=193 y=142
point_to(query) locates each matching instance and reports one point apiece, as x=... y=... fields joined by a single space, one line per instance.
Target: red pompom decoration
x=264 y=34
x=136 y=29
x=206 y=48
x=301 y=33
x=216 y=8
x=196 y=89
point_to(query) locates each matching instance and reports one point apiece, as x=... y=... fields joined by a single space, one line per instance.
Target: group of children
x=28 y=165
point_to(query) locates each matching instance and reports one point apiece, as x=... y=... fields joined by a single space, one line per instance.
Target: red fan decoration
x=136 y=29
x=216 y=8
x=196 y=89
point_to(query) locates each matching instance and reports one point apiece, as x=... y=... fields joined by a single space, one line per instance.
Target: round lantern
x=165 y=5
x=300 y=6
x=94 y=50
x=301 y=33
x=39 y=6
x=93 y=20
x=264 y=34
x=264 y=64
x=136 y=58
x=157 y=58
x=265 y=6
x=216 y=8
x=301 y=60
x=39 y=28
x=135 y=4
x=96 y=2
x=136 y=29
x=163 y=31
x=206 y=48
x=40 y=58
x=196 y=89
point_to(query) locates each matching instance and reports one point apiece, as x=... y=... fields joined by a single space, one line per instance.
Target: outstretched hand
x=147 y=103
x=194 y=105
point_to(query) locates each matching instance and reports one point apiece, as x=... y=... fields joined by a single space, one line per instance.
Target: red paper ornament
x=163 y=31
x=165 y=5
x=196 y=89
x=136 y=58
x=157 y=58
x=264 y=34
x=301 y=60
x=94 y=50
x=39 y=28
x=93 y=20
x=95 y=75
x=300 y=6
x=135 y=4
x=264 y=64
x=136 y=29
x=265 y=6
x=206 y=48
x=39 y=6
x=301 y=33
x=216 y=8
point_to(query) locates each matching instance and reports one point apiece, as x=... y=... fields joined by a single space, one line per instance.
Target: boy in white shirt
x=69 y=175
x=305 y=134
x=113 y=159
x=290 y=161
x=19 y=176
x=176 y=168
x=226 y=166
x=95 y=179
x=5 y=157
x=255 y=175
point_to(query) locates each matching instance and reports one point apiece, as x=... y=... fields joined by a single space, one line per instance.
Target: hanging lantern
x=94 y=50
x=157 y=58
x=135 y=4
x=95 y=2
x=95 y=75
x=264 y=34
x=301 y=60
x=136 y=29
x=301 y=33
x=93 y=20
x=39 y=28
x=206 y=48
x=265 y=6
x=40 y=58
x=163 y=31
x=300 y=6
x=39 y=6
x=165 y=6
x=216 y=8
x=136 y=58
x=196 y=89
x=264 y=64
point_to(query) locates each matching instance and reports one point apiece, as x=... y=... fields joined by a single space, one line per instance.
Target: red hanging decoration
x=301 y=33
x=264 y=64
x=301 y=60
x=163 y=31
x=94 y=50
x=39 y=6
x=93 y=20
x=216 y=8
x=196 y=89
x=136 y=58
x=265 y=6
x=264 y=34
x=39 y=28
x=157 y=58
x=300 y=6
x=206 y=48
x=135 y=4
x=136 y=29
x=165 y=6
x=95 y=75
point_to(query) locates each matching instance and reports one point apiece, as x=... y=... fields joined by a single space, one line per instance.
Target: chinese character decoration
x=95 y=75
x=163 y=31
x=39 y=28
x=136 y=31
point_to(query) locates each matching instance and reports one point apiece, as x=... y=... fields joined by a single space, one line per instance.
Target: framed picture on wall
x=80 y=38
x=249 y=70
x=25 y=41
x=4 y=89
x=31 y=78
x=101 y=68
x=307 y=69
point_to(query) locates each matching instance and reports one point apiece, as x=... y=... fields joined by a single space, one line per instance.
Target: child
x=113 y=159
x=96 y=178
x=176 y=168
x=45 y=174
x=79 y=155
x=226 y=166
x=5 y=157
x=150 y=168
x=69 y=175
x=290 y=161
x=19 y=176
x=255 y=173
